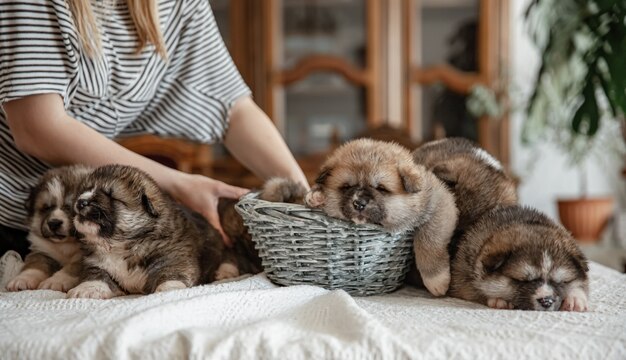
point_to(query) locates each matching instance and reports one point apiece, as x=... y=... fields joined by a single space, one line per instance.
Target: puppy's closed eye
x=346 y=187
x=382 y=189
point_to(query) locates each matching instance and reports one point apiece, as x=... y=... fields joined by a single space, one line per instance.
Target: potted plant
x=579 y=97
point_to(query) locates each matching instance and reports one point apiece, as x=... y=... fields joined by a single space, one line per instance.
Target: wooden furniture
x=482 y=32
x=175 y=153
x=326 y=71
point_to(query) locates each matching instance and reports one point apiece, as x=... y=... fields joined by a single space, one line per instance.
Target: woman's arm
x=254 y=140
x=41 y=128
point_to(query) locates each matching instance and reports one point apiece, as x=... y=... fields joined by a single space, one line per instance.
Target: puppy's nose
x=359 y=204
x=54 y=224
x=82 y=203
x=546 y=302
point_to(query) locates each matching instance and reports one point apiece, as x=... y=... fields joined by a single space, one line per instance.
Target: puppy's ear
x=30 y=200
x=323 y=176
x=493 y=262
x=411 y=178
x=580 y=260
x=147 y=205
x=443 y=173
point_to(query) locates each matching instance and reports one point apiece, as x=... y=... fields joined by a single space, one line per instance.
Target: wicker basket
x=298 y=246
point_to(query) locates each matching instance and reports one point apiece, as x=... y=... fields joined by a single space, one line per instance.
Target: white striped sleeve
x=201 y=85
x=37 y=53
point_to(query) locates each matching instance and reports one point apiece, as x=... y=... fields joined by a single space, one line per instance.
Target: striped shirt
x=119 y=93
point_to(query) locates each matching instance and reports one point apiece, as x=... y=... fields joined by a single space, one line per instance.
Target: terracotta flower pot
x=585 y=218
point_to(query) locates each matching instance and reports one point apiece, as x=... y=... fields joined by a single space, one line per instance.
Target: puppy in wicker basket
x=369 y=181
x=137 y=239
x=54 y=261
x=517 y=258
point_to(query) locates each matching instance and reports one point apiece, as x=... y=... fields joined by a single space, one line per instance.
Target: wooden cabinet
x=326 y=71
x=450 y=47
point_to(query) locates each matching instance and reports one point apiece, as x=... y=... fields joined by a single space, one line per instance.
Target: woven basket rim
x=252 y=200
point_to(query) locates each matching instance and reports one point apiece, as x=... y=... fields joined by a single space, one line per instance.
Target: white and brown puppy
x=137 y=239
x=517 y=258
x=476 y=178
x=54 y=261
x=376 y=182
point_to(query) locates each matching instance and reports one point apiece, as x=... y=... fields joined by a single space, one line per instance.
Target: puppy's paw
x=283 y=190
x=314 y=198
x=498 y=303
x=438 y=284
x=170 y=285
x=226 y=271
x=60 y=281
x=28 y=279
x=95 y=289
x=576 y=300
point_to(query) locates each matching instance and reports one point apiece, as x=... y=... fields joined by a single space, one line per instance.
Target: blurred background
x=534 y=82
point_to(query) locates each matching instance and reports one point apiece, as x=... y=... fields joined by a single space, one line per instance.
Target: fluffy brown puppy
x=517 y=258
x=54 y=261
x=473 y=175
x=368 y=181
x=137 y=239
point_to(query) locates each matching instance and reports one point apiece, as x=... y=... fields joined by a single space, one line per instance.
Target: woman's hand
x=202 y=194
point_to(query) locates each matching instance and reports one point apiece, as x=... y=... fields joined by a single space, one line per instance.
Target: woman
x=75 y=74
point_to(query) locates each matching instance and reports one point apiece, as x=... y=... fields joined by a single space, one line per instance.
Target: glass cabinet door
x=446 y=40
x=321 y=108
x=322 y=81
x=330 y=28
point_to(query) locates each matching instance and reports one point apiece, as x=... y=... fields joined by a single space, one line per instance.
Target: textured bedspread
x=252 y=318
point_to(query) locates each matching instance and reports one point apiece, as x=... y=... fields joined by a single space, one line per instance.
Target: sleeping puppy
x=368 y=181
x=477 y=180
x=54 y=261
x=517 y=258
x=137 y=239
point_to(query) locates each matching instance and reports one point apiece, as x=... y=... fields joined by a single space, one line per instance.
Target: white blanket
x=252 y=318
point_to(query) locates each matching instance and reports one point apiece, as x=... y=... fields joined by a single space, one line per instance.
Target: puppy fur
x=54 y=261
x=283 y=190
x=368 y=181
x=517 y=258
x=137 y=239
x=476 y=178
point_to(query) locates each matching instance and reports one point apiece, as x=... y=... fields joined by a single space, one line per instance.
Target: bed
x=252 y=318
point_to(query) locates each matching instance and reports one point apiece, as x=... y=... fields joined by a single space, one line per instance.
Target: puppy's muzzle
x=54 y=225
x=359 y=204
x=546 y=302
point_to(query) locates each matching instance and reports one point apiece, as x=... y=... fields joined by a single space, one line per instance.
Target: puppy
x=137 y=239
x=368 y=181
x=54 y=261
x=517 y=258
x=477 y=180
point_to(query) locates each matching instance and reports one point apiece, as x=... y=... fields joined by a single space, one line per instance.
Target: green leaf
x=587 y=114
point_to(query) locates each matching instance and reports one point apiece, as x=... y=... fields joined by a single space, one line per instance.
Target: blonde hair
x=145 y=15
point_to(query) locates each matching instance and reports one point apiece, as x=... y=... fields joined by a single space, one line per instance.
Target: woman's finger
x=232 y=192
x=214 y=219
